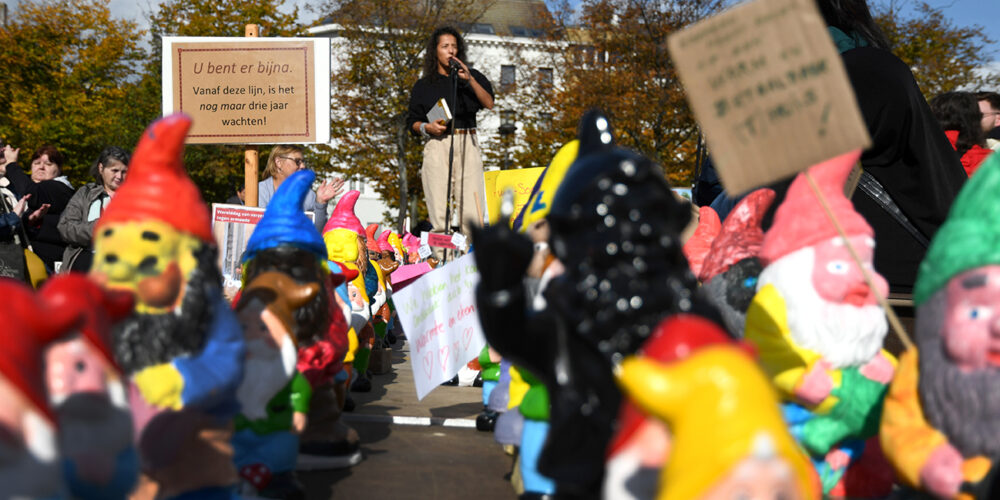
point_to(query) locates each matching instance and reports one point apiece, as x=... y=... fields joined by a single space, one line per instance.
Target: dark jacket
x=76 y=226
x=45 y=238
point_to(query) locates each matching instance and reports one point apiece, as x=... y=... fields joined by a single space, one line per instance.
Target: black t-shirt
x=427 y=91
x=994 y=134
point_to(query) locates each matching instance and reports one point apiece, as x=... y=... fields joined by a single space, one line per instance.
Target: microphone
x=453 y=65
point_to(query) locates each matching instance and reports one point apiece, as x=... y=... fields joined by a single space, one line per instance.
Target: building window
x=545 y=79
x=480 y=28
x=508 y=75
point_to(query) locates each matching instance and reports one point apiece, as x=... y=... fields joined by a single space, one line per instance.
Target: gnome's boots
x=327 y=443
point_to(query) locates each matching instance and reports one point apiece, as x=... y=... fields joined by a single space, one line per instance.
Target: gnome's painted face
x=757 y=478
x=342 y=245
x=971 y=326
x=833 y=312
x=149 y=258
x=28 y=465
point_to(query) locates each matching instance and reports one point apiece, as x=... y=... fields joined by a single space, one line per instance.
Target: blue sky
x=985 y=13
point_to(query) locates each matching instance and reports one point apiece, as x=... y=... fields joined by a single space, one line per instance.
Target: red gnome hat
x=674 y=339
x=697 y=248
x=343 y=215
x=157 y=187
x=801 y=222
x=29 y=326
x=100 y=308
x=741 y=236
x=370 y=235
x=383 y=241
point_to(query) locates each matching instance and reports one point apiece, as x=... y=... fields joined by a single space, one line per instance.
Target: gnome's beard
x=31 y=470
x=965 y=406
x=143 y=340
x=845 y=335
x=93 y=424
x=266 y=371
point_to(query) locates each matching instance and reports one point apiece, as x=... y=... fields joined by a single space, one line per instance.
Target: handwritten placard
x=438 y=240
x=769 y=90
x=520 y=181
x=439 y=315
x=249 y=90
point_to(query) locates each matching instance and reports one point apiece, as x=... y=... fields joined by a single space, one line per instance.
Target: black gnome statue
x=615 y=228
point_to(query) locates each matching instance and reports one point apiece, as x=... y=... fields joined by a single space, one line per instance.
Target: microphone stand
x=451 y=150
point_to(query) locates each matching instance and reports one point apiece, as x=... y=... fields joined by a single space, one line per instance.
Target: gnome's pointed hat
x=721 y=409
x=969 y=237
x=343 y=215
x=100 y=308
x=371 y=242
x=741 y=236
x=697 y=247
x=29 y=327
x=397 y=244
x=284 y=223
x=800 y=220
x=157 y=187
x=383 y=242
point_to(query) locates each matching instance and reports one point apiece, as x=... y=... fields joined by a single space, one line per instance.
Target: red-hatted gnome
x=29 y=464
x=818 y=329
x=87 y=391
x=729 y=272
x=182 y=348
x=941 y=424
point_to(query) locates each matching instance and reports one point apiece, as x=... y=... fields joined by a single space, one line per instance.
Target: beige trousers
x=467 y=181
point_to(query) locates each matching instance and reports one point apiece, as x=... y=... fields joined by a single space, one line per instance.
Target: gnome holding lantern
x=819 y=329
x=614 y=226
x=87 y=391
x=29 y=460
x=182 y=348
x=941 y=424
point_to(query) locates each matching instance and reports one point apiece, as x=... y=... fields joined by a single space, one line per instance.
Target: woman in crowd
x=76 y=225
x=285 y=160
x=961 y=119
x=47 y=186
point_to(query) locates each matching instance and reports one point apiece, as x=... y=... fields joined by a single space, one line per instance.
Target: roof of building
x=511 y=18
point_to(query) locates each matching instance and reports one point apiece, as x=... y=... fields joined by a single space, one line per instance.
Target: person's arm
x=73 y=225
x=420 y=103
x=482 y=88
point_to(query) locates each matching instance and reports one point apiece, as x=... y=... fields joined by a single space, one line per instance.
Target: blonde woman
x=285 y=160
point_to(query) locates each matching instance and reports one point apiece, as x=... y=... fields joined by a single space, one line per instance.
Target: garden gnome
x=285 y=241
x=729 y=272
x=818 y=330
x=182 y=348
x=614 y=226
x=273 y=397
x=29 y=460
x=941 y=423
x=87 y=391
x=371 y=242
x=728 y=439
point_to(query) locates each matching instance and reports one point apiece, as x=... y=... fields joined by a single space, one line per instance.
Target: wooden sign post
x=251 y=156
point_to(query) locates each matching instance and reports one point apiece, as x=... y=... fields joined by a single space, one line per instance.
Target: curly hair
x=430 y=51
x=960 y=111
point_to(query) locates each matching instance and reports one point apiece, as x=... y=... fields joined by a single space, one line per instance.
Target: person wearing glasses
x=285 y=160
x=989 y=105
x=960 y=118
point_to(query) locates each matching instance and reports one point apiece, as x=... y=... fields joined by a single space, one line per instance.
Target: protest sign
x=232 y=226
x=520 y=181
x=249 y=90
x=437 y=240
x=769 y=90
x=439 y=315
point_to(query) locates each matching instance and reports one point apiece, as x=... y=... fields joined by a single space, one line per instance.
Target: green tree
x=68 y=80
x=941 y=55
x=381 y=42
x=214 y=168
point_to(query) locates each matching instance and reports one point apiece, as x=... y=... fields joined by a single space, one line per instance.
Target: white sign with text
x=439 y=315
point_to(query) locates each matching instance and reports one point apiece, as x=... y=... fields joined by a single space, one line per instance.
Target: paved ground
x=443 y=457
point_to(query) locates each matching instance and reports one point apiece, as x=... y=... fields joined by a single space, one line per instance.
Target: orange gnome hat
x=157 y=187
x=697 y=248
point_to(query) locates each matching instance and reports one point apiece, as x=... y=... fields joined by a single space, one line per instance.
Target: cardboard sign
x=249 y=90
x=439 y=314
x=769 y=90
x=497 y=181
